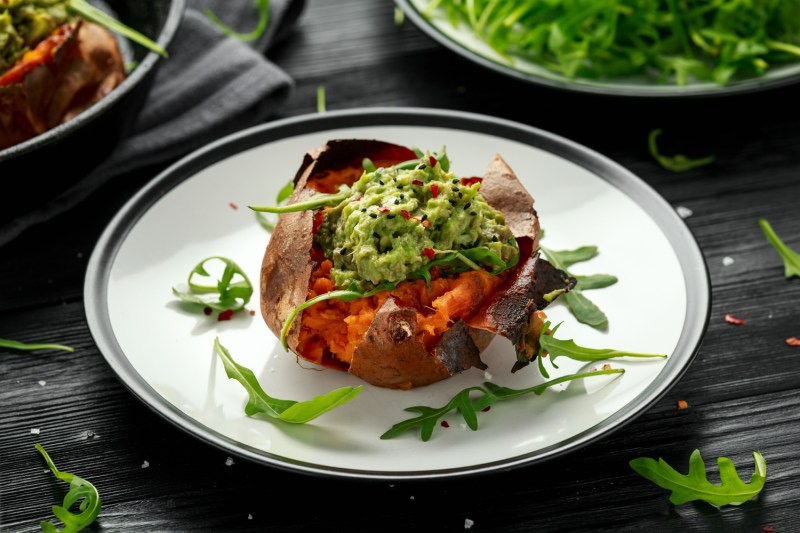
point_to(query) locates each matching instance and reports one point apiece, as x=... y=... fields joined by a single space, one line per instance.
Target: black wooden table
x=742 y=388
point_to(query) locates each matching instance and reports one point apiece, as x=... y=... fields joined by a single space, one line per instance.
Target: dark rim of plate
x=52 y=135
x=705 y=90
x=698 y=295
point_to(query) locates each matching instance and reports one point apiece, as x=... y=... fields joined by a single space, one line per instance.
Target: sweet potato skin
x=392 y=353
x=63 y=76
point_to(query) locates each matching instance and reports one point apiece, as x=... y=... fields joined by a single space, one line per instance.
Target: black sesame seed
x=343 y=251
x=391 y=215
x=473 y=213
x=373 y=215
x=397 y=202
x=423 y=166
x=381 y=182
x=455 y=182
x=402 y=196
x=375 y=234
x=452 y=202
x=466 y=206
x=461 y=195
x=424 y=217
x=456 y=189
x=364 y=210
x=494 y=238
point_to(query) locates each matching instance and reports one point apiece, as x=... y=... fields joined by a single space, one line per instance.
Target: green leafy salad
x=669 y=41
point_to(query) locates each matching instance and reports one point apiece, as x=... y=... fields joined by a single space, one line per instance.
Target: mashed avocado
x=413 y=223
x=24 y=23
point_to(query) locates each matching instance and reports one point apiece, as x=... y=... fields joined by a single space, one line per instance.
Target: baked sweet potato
x=418 y=330
x=64 y=74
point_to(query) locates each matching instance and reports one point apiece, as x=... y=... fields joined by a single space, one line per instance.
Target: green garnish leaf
x=17 y=345
x=321 y=105
x=585 y=310
x=595 y=281
x=293 y=412
x=318 y=200
x=263 y=20
x=81 y=491
x=93 y=14
x=791 y=259
x=229 y=292
x=568 y=348
x=567 y=258
x=283 y=195
x=695 y=486
x=285 y=192
x=429 y=417
x=677 y=162
x=266 y=223
x=399 y=17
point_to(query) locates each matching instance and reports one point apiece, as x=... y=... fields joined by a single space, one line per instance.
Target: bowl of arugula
x=662 y=48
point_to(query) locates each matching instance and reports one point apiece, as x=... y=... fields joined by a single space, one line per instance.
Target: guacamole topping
x=24 y=23
x=401 y=223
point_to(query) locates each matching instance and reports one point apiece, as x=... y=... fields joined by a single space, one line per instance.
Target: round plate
x=164 y=353
x=464 y=42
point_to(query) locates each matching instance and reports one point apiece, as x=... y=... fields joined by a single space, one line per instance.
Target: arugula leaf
x=263 y=20
x=266 y=223
x=677 y=162
x=17 y=345
x=81 y=491
x=791 y=259
x=595 y=281
x=429 y=417
x=584 y=310
x=293 y=412
x=318 y=200
x=695 y=486
x=233 y=295
x=87 y=11
x=283 y=195
x=285 y=192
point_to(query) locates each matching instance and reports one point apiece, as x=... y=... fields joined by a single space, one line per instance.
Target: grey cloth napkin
x=210 y=86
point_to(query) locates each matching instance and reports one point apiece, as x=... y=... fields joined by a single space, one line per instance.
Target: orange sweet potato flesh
x=66 y=73
x=414 y=335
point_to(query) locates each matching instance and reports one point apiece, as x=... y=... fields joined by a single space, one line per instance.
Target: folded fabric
x=210 y=86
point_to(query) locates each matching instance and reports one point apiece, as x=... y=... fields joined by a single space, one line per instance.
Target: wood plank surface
x=742 y=387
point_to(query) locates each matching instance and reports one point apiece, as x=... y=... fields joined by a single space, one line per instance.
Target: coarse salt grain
x=487 y=376
x=229 y=461
x=684 y=212
x=35 y=431
x=146 y=464
x=249 y=517
x=468 y=523
x=42 y=382
x=727 y=261
x=411 y=498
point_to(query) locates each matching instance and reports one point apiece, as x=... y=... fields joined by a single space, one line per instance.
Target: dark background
x=742 y=388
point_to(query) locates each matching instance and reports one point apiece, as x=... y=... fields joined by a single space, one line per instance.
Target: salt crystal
x=468 y=523
x=487 y=376
x=229 y=461
x=684 y=212
x=42 y=382
x=35 y=431
x=411 y=498
x=249 y=517
x=727 y=261
x=146 y=464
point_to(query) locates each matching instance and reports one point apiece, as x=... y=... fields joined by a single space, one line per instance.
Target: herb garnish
x=92 y=14
x=695 y=486
x=677 y=162
x=81 y=491
x=283 y=195
x=263 y=19
x=581 y=307
x=17 y=345
x=321 y=107
x=231 y=292
x=791 y=259
x=469 y=407
x=293 y=412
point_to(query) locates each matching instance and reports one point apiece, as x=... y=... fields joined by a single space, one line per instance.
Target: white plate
x=463 y=41
x=164 y=353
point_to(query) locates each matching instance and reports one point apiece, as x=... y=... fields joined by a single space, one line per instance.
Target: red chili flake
x=767 y=529
x=433 y=161
x=252 y=313
x=428 y=252
x=468 y=182
x=233 y=205
x=435 y=190
x=417 y=183
x=318 y=219
x=357 y=198
x=682 y=404
x=434 y=272
x=406 y=214
x=486 y=409
x=207 y=311
x=225 y=315
x=384 y=209
x=445 y=424
x=730 y=319
x=793 y=341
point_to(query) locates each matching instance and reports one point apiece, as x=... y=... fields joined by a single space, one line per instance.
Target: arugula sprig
x=695 y=486
x=263 y=20
x=81 y=491
x=468 y=407
x=291 y=411
x=579 y=305
x=17 y=345
x=452 y=262
x=791 y=259
x=677 y=162
x=283 y=195
x=93 y=14
x=228 y=293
